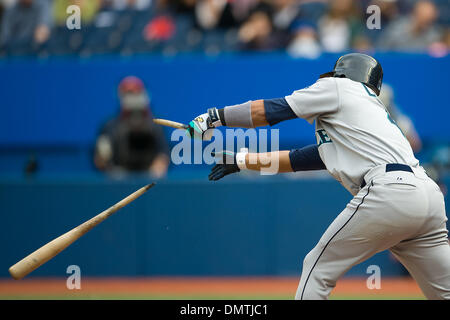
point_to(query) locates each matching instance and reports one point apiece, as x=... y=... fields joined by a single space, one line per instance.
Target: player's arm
x=250 y=114
x=304 y=159
x=262 y=113
x=309 y=103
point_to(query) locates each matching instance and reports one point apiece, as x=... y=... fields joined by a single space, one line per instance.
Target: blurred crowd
x=304 y=28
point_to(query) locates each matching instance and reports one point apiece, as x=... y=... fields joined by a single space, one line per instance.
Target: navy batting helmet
x=358 y=67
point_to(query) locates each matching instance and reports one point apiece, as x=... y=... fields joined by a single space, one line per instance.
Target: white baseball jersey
x=353 y=129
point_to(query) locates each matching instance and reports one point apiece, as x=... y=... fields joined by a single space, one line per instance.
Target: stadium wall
x=240 y=226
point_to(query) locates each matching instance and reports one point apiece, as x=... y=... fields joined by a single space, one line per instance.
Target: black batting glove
x=227 y=165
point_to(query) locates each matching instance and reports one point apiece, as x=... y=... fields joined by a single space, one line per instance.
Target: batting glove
x=226 y=164
x=202 y=126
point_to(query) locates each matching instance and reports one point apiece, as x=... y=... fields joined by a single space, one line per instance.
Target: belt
x=393 y=167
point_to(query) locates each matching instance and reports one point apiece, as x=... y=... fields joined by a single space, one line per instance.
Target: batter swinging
x=396 y=206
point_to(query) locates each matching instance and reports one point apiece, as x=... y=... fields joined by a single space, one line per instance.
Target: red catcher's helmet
x=131 y=84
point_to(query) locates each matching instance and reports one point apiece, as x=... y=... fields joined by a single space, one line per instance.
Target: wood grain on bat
x=169 y=123
x=51 y=249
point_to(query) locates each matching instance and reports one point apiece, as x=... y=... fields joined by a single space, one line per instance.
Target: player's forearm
x=256 y=113
x=276 y=161
x=304 y=159
x=250 y=114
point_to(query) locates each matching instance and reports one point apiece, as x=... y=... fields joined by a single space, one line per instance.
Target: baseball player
x=396 y=206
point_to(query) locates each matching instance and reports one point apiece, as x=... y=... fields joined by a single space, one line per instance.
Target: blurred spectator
x=446 y=39
x=235 y=12
x=26 y=22
x=441 y=48
x=389 y=12
x=284 y=16
x=160 y=28
x=256 y=33
x=89 y=10
x=176 y=6
x=223 y=14
x=2 y=6
x=304 y=28
x=402 y=120
x=208 y=12
x=131 y=142
x=304 y=43
x=286 y=12
x=342 y=27
x=129 y=4
x=7 y=3
x=414 y=32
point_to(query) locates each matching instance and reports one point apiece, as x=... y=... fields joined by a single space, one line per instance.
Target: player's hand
x=202 y=126
x=226 y=164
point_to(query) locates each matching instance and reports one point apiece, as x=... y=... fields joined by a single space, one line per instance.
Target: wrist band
x=240 y=160
x=239 y=115
x=215 y=117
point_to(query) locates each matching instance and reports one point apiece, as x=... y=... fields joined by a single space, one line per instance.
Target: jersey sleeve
x=278 y=110
x=306 y=158
x=320 y=98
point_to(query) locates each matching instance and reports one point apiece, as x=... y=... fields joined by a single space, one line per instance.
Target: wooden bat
x=51 y=249
x=171 y=124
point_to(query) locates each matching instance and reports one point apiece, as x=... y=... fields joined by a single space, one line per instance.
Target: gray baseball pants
x=400 y=211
